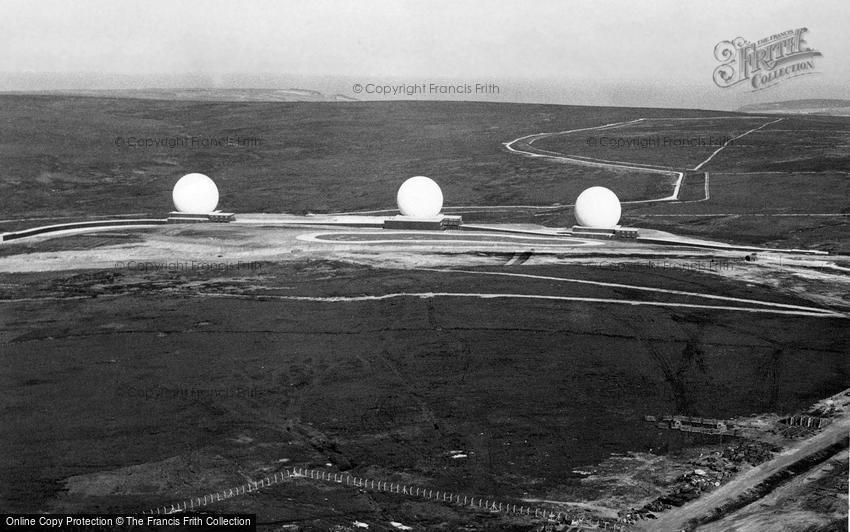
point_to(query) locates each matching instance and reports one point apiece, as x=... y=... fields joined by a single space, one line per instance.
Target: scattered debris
x=710 y=471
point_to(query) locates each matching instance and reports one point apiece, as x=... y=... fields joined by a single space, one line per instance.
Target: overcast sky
x=656 y=42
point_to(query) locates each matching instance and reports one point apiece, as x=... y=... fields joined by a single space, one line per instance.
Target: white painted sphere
x=420 y=197
x=195 y=193
x=597 y=207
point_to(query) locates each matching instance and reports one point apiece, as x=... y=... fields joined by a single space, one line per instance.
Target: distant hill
x=211 y=95
x=809 y=107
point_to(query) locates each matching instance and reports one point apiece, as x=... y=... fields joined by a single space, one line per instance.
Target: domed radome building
x=597 y=212
x=195 y=197
x=420 y=201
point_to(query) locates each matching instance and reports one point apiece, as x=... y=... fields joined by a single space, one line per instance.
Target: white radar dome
x=195 y=193
x=420 y=197
x=597 y=207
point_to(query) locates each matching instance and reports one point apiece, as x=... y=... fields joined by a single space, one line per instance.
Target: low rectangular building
x=605 y=232
x=196 y=218
x=437 y=223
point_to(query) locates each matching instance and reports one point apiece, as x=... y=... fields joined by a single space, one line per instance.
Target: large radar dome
x=195 y=193
x=597 y=207
x=420 y=197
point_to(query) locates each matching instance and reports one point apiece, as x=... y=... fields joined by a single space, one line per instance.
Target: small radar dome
x=597 y=207
x=420 y=197
x=195 y=193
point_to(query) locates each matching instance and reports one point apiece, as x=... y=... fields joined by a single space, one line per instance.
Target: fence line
x=473 y=502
